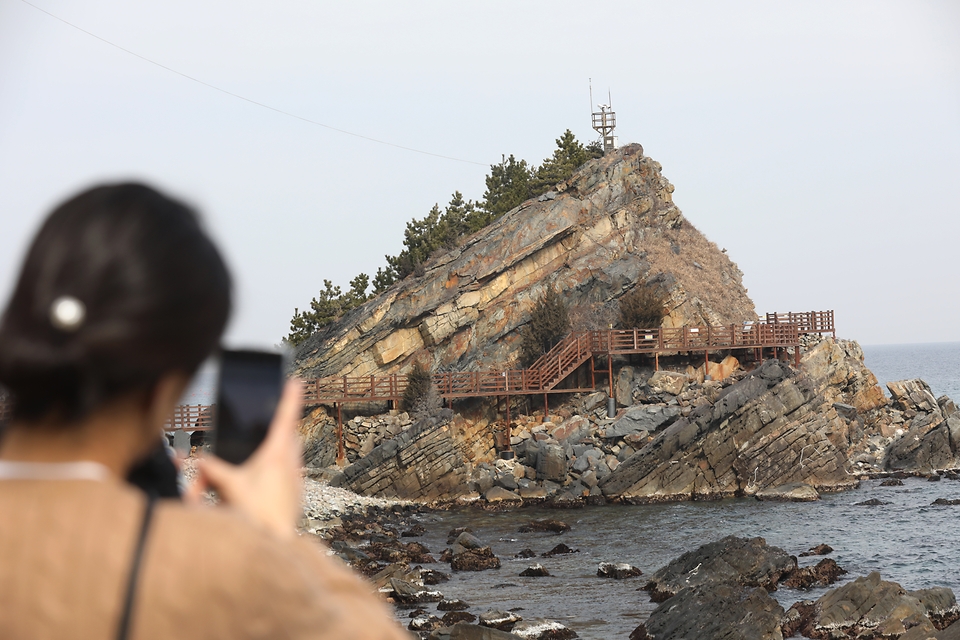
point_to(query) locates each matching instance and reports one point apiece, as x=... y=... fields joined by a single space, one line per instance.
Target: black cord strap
x=124 y=628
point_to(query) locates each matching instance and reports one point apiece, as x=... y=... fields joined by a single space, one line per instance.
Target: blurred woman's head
x=120 y=287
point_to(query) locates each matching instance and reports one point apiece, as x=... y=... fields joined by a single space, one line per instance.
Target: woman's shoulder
x=246 y=576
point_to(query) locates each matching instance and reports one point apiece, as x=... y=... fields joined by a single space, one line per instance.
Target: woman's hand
x=268 y=487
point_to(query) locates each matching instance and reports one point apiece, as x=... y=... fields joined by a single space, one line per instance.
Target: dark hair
x=155 y=290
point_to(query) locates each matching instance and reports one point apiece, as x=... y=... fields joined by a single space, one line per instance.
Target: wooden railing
x=563 y=359
x=360 y=387
x=807 y=321
x=192 y=417
x=778 y=330
x=487 y=383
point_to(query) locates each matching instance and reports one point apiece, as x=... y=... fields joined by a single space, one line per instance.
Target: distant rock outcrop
x=610 y=227
x=930 y=429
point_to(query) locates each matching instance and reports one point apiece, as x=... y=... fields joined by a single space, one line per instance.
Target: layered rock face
x=772 y=427
x=612 y=226
x=429 y=461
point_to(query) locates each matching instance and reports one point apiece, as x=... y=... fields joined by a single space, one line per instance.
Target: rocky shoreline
x=721 y=589
x=764 y=429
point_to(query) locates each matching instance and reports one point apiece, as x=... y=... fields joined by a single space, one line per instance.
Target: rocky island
x=685 y=431
x=679 y=428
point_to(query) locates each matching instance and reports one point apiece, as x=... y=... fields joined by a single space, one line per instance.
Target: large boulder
x=475 y=560
x=641 y=418
x=922 y=448
x=913 y=395
x=668 y=382
x=748 y=562
x=551 y=463
x=714 y=612
x=541 y=629
x=466 y=631
x=870 y=607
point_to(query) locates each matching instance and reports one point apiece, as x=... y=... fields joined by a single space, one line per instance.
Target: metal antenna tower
x=604 y=121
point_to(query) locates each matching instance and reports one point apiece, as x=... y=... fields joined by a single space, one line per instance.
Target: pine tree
x=567 y=158
x=508 y=185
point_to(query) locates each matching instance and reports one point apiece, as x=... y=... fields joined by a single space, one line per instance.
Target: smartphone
x=250 y=383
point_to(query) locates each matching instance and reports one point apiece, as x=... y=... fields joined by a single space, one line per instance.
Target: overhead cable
x=246 y=99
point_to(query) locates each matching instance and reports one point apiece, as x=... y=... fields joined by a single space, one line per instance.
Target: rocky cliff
x=775 y=426
x=612 y=226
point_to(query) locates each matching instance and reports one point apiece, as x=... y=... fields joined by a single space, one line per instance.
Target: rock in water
x=560 y=549
x=453 y=617
x=819 y=550
x=465 y=631
x=475 y=560
x=542 y=630
x=535 y=571
x=545 y=524
x=714 y=612
x=502 y=620
x=610 y=228
x=408 y=593
x=794 y=492
x=424 y=622
x=749 y=562
x=432 y=577
x=824 y=573
x=617 y=571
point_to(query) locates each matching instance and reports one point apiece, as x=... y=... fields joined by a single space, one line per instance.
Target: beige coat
x=65 y=554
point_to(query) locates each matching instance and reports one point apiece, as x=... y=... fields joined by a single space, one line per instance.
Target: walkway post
x=610 y=372
x=340 y=453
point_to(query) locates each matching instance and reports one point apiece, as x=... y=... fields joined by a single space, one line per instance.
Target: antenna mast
x=604 y=121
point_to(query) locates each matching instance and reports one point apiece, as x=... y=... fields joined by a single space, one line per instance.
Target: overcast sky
x=818 y=142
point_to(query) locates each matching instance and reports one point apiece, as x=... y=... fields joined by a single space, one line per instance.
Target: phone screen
x=247 y=397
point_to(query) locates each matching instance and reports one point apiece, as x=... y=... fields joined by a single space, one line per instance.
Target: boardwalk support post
x=610 y=372
x=340 y=452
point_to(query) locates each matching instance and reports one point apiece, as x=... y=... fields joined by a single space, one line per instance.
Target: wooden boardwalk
x=549 y=373
x=551 y=370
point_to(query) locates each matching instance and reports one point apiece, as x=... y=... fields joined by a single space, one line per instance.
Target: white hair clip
x=67 y=313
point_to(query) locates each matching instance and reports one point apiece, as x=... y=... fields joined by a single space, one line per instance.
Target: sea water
x=908 y=540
